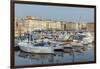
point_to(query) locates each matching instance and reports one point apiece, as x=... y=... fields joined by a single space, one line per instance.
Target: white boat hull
x=75 y=44
x=87 y=40
x=32 y=49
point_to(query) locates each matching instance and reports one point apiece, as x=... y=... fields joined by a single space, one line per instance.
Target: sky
x=69 y=14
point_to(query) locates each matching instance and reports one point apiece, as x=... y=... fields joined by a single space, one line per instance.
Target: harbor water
x=23 y=58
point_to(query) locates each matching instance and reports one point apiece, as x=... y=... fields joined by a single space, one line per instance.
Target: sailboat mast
x=28 y=31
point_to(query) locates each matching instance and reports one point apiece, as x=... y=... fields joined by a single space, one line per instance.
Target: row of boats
x=48 y=42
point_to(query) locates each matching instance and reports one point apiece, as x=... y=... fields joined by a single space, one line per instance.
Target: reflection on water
x=23 y=58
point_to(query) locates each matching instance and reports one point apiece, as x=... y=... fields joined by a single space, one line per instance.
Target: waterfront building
x=90 y=26
x=30 y=23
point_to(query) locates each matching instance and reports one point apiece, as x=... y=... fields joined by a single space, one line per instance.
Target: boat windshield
x=40 y=44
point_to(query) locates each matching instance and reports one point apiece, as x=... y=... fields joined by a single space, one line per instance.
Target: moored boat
x=26 y=47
